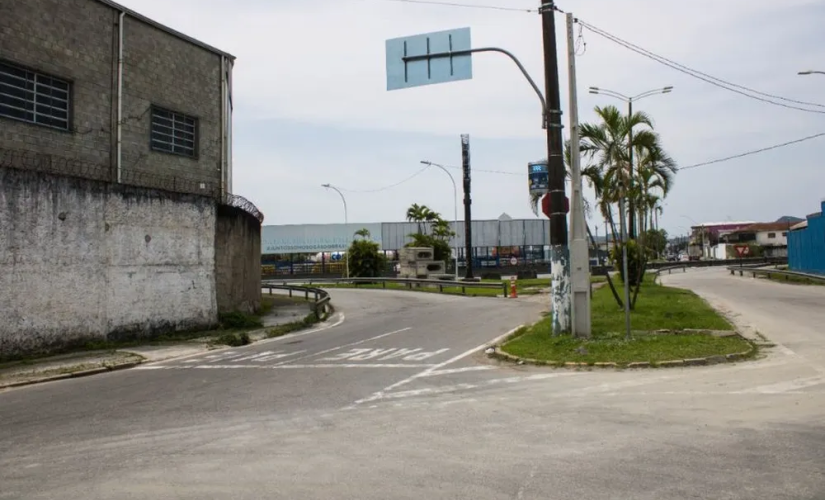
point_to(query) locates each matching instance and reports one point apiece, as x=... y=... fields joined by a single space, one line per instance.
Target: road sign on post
x=742 y=250
x=403 y=73
x=538 y=175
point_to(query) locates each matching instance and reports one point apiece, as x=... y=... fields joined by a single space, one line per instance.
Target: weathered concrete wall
x=237 y=260
x=82 y=259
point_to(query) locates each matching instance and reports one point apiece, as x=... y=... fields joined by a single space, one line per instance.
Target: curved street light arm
x=507 y=53
x=455 y=206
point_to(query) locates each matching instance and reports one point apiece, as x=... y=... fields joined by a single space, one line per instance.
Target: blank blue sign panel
x=403 y=74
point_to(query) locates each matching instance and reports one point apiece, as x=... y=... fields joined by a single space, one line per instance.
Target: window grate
x=33 y=97
x=174 y=133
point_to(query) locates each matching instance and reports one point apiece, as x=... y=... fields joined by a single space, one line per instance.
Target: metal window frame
x=70 y=87
x=196 y=146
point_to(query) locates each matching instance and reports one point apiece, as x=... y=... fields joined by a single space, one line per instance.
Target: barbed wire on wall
x=237 y=201
x=56 y=164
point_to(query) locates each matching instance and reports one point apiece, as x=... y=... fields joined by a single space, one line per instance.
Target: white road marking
x=384 y=354
x=320 y=365
x=458 y=370
x=359 y=342
x=441 y=365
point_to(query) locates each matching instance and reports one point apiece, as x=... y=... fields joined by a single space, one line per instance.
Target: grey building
x=92 y=89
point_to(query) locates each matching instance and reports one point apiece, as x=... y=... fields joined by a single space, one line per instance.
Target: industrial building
x=91 y=89
x=293 y=249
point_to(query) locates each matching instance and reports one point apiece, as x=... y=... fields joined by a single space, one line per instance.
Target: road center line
x=345 y=345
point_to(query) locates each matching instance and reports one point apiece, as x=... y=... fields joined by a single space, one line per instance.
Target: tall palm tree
x=418 y=214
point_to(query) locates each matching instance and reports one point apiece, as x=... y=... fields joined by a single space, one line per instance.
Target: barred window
x=174 y=132
x=34 y=97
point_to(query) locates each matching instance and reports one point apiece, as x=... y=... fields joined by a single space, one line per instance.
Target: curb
x=63 y=376
x=676 y=363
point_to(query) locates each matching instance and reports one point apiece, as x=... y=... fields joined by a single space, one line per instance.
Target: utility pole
x=468 y=218
x=631 y=209
x=560 y=290
x=579 y=255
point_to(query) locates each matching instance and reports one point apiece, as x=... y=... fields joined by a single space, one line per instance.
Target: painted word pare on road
x=379 y=354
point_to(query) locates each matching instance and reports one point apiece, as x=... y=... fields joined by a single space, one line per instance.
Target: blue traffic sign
x=409 y=64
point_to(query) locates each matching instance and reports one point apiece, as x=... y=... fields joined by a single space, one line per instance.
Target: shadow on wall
x=237 y=260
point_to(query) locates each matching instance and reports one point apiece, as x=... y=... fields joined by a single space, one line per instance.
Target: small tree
x=439 y=235
x=655 y=241
x=365 y=258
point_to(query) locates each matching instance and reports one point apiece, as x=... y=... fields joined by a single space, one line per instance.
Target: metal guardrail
x=775 y=272
x=410 y=282
x=320 y=299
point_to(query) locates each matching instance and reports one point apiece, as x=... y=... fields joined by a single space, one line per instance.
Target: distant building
x=770 y=237
x=92 y=89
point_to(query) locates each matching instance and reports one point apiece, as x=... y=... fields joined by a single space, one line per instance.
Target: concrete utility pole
x=579 y=254
x=559 y=252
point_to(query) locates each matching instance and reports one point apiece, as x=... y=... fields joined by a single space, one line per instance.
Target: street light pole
x=346 y=222
x=455 y=209
x=630 y=100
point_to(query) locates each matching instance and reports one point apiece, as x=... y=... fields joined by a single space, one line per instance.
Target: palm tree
x=418 y=214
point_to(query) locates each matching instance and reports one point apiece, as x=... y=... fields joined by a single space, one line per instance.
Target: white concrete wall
x=779 y=240
x=84 y=260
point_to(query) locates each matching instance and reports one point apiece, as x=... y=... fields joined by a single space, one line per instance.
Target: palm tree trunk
x=606 y=274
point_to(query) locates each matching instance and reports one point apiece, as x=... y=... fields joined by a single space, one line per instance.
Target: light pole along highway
x=622 y=220
x=346 y=224
x=455 y=209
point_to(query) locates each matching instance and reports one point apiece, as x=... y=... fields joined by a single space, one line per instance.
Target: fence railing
x=782 y=273
x=410 y=283
x=234 y=200
x=320 y=298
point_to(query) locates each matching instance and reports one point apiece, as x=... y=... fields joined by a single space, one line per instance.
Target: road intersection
x=391 y=399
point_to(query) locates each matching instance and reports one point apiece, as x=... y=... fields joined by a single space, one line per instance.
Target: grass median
x=658 y=308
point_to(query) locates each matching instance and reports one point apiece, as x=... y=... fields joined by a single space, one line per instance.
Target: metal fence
x=23 y=159
x=320 y=298
x=234 y=200
x=408 y=282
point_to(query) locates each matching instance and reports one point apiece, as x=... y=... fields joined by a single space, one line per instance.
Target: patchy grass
x=233 y=339
x=658 y=307
x=293 y=326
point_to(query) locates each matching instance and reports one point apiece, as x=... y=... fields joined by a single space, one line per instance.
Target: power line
x=407 y=179
x=464 y=5
x=755 y=151
x=718 y=82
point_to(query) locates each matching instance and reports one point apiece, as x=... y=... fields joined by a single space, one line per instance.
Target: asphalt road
x=347 y=413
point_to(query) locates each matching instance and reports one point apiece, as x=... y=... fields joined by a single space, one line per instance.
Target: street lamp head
x=325 y=185
x=667 y=89
x=808 y=72
x=425 y=162
x=594 y=89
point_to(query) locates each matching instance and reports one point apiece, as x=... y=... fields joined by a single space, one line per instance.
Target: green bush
x=365 y=258
x=636 y=258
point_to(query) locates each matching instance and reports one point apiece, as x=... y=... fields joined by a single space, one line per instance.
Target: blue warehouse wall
x=806 y=247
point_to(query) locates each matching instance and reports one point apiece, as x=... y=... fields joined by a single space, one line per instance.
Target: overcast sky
x=311 y=104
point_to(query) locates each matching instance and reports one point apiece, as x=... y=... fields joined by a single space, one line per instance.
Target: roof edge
x=167 y=29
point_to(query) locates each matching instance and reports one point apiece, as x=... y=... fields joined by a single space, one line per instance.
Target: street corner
x=34 y=371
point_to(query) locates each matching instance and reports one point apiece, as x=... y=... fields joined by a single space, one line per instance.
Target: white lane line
x=458 y=370
x=301 y=334
x=425 y=373
x=359 y=342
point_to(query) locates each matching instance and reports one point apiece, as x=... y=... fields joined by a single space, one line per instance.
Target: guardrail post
x=440 y=288
x=463 y=290
x=504 y=285
x=306 y=294
x=384 y=283
x=290 y=293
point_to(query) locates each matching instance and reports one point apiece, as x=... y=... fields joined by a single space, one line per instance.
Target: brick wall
x=76 y=40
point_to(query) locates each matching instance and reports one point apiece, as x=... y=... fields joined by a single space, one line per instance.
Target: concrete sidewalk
x=84 y=363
